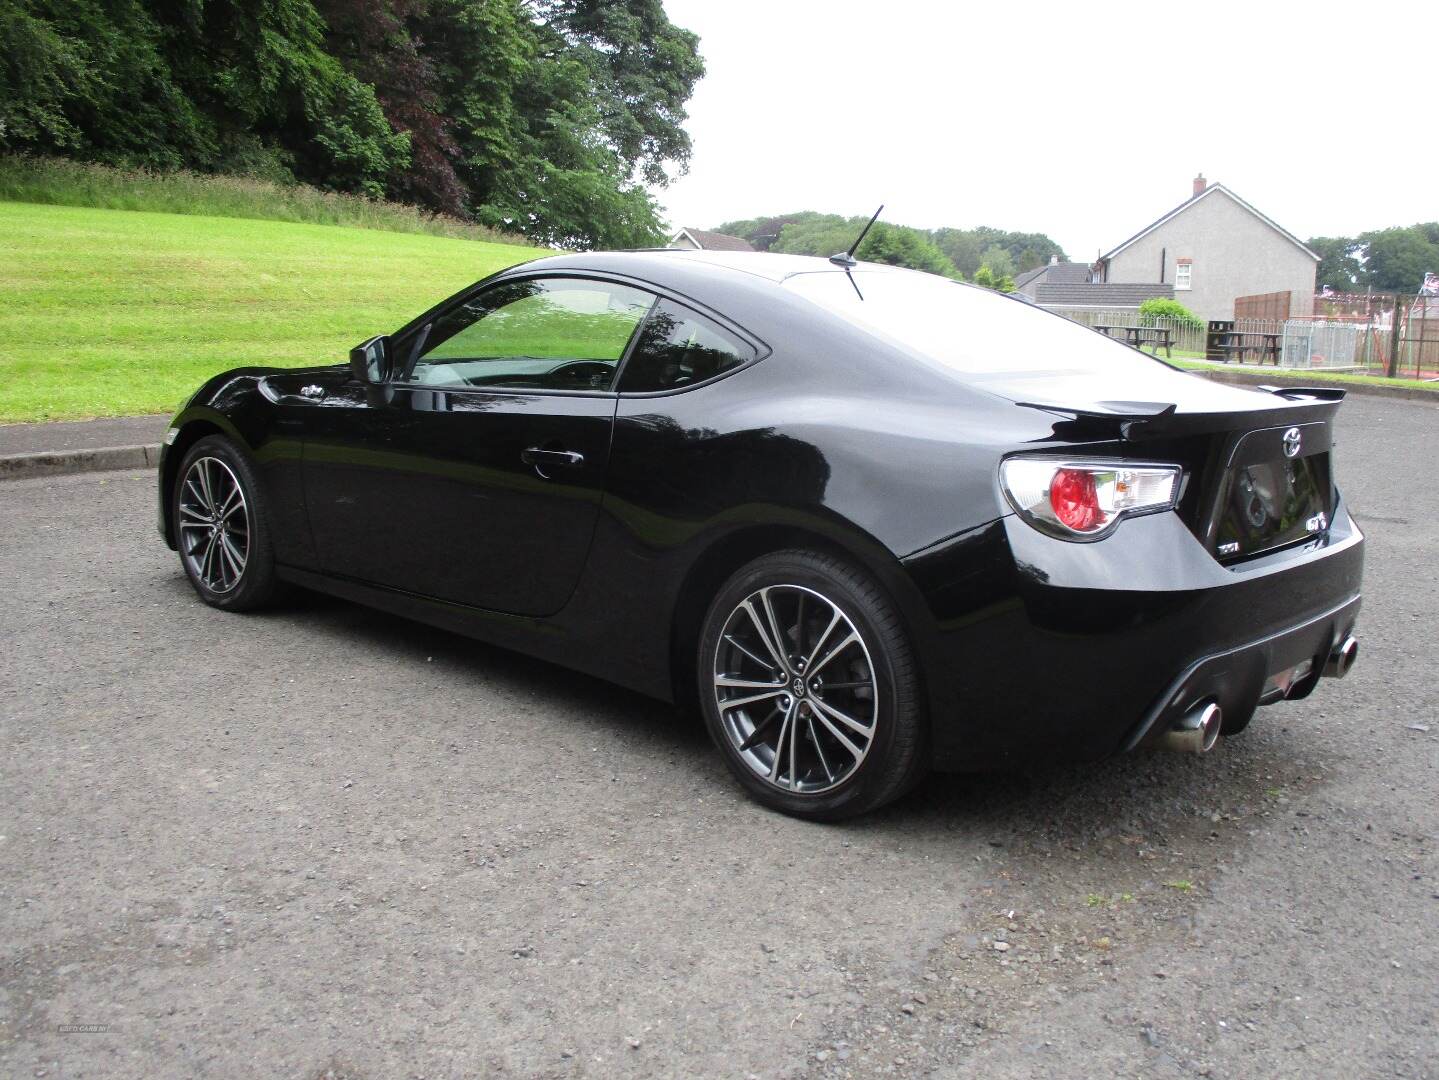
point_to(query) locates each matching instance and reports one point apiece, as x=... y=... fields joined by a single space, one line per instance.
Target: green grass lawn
x=1337 y=378
x=117 y=312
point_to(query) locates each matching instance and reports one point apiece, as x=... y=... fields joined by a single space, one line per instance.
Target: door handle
x=542 y=458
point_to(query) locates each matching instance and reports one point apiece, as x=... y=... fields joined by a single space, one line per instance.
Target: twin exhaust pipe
x=1197 y=731
x=1342 y=658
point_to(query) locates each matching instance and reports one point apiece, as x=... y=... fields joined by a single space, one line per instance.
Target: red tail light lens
x=1079 y=499
x=1075 y=499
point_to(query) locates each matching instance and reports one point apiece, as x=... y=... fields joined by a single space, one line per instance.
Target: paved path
x=81 y=434
x=326 y=842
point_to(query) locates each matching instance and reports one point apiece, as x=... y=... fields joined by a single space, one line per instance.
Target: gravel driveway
x=323 y=842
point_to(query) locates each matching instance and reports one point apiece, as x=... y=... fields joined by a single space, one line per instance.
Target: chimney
x=1200 y=184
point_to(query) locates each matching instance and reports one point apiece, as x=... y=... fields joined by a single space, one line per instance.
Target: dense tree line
x=553 y=118
x=958 y=253
x=1386 y=260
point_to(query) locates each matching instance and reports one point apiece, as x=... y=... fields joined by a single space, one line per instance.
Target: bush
x=989 y=279
x=1157 y=308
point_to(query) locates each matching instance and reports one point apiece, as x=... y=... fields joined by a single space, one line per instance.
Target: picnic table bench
x=1160 y=337
x=1235 y=344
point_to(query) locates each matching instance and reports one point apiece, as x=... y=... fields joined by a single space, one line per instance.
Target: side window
x=678 y=347
x=542 y=333
x=1184 y=275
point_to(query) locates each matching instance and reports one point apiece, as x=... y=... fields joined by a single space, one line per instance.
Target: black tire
x=214 y=579
x=894 y=756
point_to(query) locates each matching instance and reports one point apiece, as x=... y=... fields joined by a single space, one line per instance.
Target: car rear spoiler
x=1109 y=410
x=1136 y=420
x=1318 y=393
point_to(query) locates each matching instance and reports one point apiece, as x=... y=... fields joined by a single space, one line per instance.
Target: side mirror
x=370 y=361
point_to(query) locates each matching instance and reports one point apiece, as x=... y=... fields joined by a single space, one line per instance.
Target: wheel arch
x=189 y=433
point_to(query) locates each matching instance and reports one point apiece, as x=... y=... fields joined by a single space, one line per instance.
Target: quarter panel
x=904 y=456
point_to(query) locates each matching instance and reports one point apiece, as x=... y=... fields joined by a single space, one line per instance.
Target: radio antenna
x=846 y=258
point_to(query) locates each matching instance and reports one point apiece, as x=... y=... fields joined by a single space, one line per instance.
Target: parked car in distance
x=869 y=521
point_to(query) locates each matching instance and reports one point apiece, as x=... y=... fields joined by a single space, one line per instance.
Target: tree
x=988 y=279
x=544 y=116
x=377 y=42
x=763 y=232
x=969 y=248
x=642 y=70
x=901 y=246
x=1397 y=259
x=1339 y=268
x=1387 y=260
x=261 y=71
x=962 y=247
x=90 y=79
x=554 y=129
x=897 y=245
x=999 y=261
x=817 y=234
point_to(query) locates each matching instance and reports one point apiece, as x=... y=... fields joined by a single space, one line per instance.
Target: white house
x=709 y=241
x=1213 y=248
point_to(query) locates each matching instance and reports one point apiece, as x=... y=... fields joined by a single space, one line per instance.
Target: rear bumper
x=1037 y=648
x=1234 y=679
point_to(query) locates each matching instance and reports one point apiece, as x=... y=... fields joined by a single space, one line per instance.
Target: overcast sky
x=1085 y=121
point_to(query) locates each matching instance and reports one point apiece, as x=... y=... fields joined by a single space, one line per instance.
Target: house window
x=1184 y=274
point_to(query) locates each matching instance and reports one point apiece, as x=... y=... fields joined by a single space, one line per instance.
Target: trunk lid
x=1258 y=469
x=1275 y=490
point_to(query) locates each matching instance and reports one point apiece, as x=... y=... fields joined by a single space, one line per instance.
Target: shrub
x=989 y=279
x=1158 y=308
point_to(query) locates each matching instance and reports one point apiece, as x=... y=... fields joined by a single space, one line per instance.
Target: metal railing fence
x=1188 y=339
x=1329 y=340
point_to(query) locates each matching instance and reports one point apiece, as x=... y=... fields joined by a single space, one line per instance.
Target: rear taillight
x=1084 y=500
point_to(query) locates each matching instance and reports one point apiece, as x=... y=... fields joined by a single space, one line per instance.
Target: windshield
x=967 y=329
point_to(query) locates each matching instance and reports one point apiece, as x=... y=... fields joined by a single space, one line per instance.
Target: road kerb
x=61 y=462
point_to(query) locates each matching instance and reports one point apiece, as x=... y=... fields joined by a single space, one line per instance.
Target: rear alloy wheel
x=220 y=527
x=808 y=687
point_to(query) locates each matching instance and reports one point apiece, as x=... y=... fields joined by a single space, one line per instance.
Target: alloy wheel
x=214 y=524
x=795 y=689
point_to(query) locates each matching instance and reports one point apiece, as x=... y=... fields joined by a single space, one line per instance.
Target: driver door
x=475 y=476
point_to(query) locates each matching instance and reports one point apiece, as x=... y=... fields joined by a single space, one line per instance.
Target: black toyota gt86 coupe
x=869 y=521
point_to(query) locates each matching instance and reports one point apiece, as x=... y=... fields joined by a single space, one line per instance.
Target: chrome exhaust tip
x=1342 y=658
x=1195 y=732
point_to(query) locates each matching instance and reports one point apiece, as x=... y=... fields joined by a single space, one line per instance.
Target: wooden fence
x=1271 y=306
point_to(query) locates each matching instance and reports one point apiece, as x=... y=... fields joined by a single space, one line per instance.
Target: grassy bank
x=57 y=182
x=1317 y=377
x=110 y=313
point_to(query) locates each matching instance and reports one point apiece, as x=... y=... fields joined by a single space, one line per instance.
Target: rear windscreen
x=967 y=329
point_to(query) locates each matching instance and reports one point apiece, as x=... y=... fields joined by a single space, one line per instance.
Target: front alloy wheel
x=222 y=526
x=213 y=525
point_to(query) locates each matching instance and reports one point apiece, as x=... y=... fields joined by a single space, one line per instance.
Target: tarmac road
x=323 y=842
